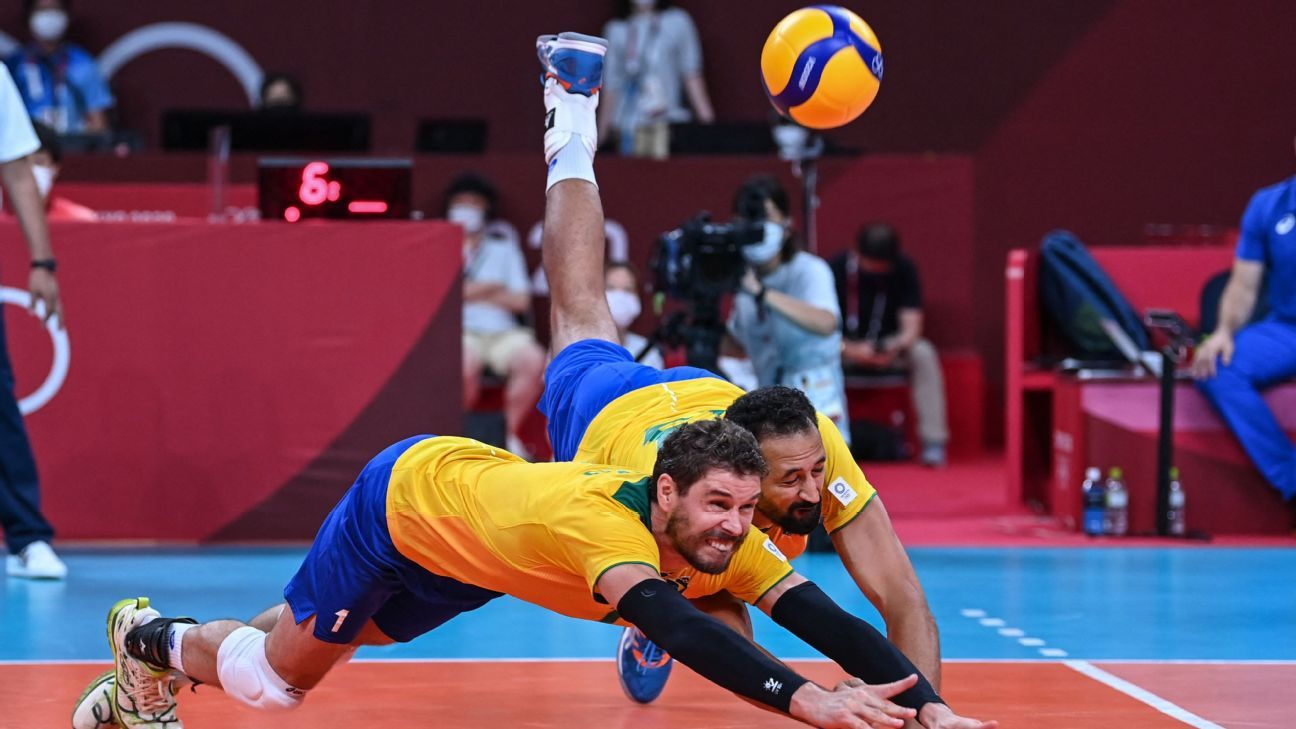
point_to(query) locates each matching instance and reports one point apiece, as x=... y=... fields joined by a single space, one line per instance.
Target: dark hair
x=773 y=411
x=29 y=7
x=749 y=203
x=49 y=140
x=275 y=77
x=749 y=200
x=879 y=242
x=622 y=8
x=473 y=183
x=695 y=448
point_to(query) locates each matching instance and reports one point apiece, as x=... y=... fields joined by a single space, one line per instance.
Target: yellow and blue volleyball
x=821 y=66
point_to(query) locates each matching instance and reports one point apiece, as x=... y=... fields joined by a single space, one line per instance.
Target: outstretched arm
x=876 y=560
x=729 y=660
x=804 y=609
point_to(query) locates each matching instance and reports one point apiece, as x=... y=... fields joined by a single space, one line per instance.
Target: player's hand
x=750 y=283
x=44 y=295
x=940 y=716
x=1217 y=346
x=851 y=706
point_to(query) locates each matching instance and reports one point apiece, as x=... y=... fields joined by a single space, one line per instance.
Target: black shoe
x=151 y=643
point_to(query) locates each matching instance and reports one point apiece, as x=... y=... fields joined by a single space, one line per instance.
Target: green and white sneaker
x=93 y=710
x=143 y=695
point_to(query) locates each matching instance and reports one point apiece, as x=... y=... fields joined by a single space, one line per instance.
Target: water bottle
x=1116 y=514
x=1175 y=505
x=1095 y=502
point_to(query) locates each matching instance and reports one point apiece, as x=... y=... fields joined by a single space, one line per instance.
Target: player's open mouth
x=721 y=545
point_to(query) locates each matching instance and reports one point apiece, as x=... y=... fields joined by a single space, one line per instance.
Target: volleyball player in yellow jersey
x=605 y=408
x=435 y=527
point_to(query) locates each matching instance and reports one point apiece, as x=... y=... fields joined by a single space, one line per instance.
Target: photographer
x=786 y=314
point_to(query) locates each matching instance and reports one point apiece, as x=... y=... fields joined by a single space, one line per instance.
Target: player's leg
x=590 y=368
x=94 y=707
x=573 y=239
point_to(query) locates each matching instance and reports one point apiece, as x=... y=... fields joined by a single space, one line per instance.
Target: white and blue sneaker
x=642 y=666
x=573 y=75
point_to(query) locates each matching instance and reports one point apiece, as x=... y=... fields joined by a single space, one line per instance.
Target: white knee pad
x=246 y=675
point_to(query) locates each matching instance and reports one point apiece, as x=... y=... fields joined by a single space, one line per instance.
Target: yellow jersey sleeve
x=756 y=568
x=596 y=537
x=845 y=489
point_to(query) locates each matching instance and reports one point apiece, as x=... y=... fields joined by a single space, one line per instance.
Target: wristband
x=49 y=264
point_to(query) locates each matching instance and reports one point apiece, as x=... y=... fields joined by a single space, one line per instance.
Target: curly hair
x=695 y=448
x=773 y=411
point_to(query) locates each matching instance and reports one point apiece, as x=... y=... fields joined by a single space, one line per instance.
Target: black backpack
x=1078 y=295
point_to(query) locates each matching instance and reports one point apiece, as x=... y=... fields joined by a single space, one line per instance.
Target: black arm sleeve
x=707 y=645
x=854 y=644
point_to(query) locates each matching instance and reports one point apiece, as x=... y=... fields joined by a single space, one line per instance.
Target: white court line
x=820 y=659
x=1141 y=694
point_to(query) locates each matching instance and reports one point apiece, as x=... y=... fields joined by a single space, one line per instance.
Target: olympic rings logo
x=62 y=355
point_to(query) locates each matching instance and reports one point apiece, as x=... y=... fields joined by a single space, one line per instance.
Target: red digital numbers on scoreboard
x=315 y=188
x=295 y=189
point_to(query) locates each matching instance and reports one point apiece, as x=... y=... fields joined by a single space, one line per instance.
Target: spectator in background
x=59 y=81
x=785 y=315
x=45 y=168
x=881 y=300
x=496 y=292
x=622 y=285
x=653 y=50
x=1238 y=360
x=281 y=93
x=27 y=533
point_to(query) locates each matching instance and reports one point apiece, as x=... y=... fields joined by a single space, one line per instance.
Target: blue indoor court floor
x=1163 y=612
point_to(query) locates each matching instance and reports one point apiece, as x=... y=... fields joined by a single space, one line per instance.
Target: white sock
x=572 y=162
x=175 y=639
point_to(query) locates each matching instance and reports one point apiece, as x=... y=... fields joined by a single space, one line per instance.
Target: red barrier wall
x=232 y=380
x=929 y=198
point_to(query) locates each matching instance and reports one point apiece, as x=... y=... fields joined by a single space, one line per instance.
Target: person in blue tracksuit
x=1238 y=361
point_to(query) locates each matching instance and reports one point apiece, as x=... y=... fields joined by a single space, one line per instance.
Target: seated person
x=59 y=81
x=882 y=319
x=622 y=286
x=496 y=291
x=1241 y=359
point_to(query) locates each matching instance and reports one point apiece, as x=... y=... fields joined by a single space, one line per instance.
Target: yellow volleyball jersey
x=629 y=430
x=544 y=532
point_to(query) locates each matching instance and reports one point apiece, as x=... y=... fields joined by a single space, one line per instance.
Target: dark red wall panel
x=216 y=365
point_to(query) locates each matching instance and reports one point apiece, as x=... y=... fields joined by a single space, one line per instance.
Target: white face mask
x=472 y=218
x=625 y=307
x=758 y=254
x=48 y=25
x=44 y=179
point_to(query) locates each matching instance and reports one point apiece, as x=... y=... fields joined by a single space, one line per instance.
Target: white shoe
x=573 y=75
x=93 y=710
x=144 y=696
x=36 y=561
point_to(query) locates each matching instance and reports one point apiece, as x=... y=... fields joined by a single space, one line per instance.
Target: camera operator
x=786 y=314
